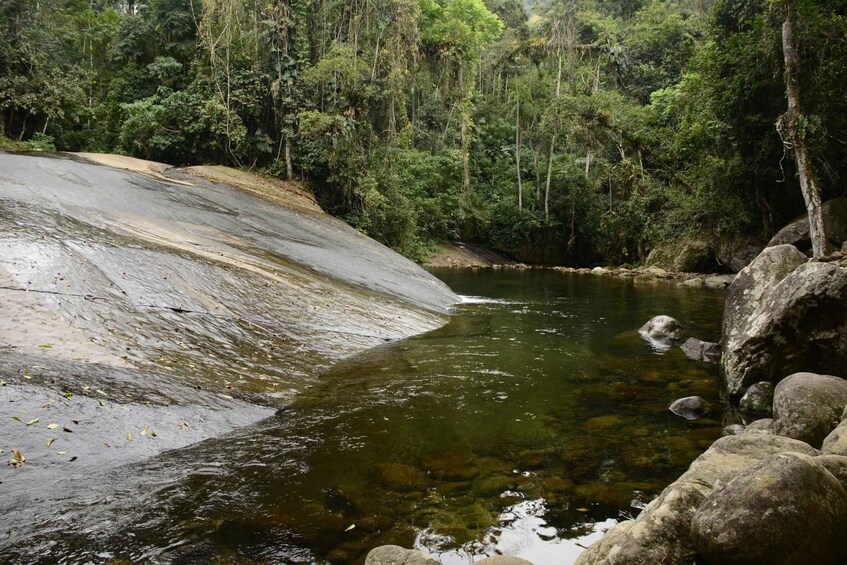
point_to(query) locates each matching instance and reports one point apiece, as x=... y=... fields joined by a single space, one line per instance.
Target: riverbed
x=533 y=420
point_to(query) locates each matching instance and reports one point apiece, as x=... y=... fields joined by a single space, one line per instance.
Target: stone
x=701 y=350
x=757 y=402
x=778 y=322
x=656 y=272
x=686 y=255
x=400 y=477
x=719 y=281
x=599 y=271
x=692 y=282
x=737 y=252
x=786 y=509
x=503 y=560
x=836 y=442
x=733 y=430
x=690 y=407
x=763 y=426
x=797 y=232
x=396 y=555
x=836 y=465
x=662 y=532
x=808 y=407
x=661 y=331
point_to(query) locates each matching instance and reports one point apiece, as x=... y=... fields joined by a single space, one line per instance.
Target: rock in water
x=784 y=315
x=503 y=560
x=396 y=555
x=808 y=407
x=757 y=402
x=690 y=407
x=701 y=350
x=661 y=331
x=785 y=509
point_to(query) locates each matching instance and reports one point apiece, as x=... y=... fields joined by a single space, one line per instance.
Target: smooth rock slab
x=807 y=406
x=785 y=509
x=396 y=555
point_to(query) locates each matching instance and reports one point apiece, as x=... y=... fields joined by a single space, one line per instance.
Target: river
x=528 y=424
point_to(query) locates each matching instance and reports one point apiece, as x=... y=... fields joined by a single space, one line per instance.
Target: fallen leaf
x=145 y=430
x=68 y=394
x=67 y=430
x=185 y=423
x=33 y=421
x=101 y=402
x=129 y=436
x=50 y=441
x=15 y=418
x=98 y=391
x=350 y=527
x=582 y=509
x=17 y=459
x=61 y=452
x=46 y=346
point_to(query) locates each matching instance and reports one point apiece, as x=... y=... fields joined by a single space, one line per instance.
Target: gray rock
x=797 y=232
x=763 y=426
x=396 y=555
x=836 y=465
x=662 y=532
x=808 y=407
x=692 y=282
x=733 y=430
x=600 y=271
x=701 y=350
x=836 y=442
x=719 y=281
x=777 y=323
x=690 y=407
x=503 y=560
x=758 y=400
x=661 y=331
x=686 y=255
x=738 y=252
x=785 y=509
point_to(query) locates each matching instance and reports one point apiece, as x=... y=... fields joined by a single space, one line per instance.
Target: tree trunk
x=463 y=128
x=289 y=166
x=518 y=152
x=549 y=179
x=792 y=137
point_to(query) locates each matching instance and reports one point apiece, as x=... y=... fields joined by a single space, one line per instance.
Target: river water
x=531 y=422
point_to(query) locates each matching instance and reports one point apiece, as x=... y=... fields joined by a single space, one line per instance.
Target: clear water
x=533 y=420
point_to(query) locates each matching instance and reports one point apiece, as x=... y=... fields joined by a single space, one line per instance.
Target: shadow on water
x=535 y=418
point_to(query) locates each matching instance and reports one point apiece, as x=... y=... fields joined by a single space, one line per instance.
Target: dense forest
x=568 y=131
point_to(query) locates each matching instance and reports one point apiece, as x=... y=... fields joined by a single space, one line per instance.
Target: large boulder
x=396 y=555
x=700 y=350
x=808 y=407
x=797 y=232
x=687 y=255
x=836 y=442
x=662 y=532
x=737 y=252
x=784 y=315
x=785 y=509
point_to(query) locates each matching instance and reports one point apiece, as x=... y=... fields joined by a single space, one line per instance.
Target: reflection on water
x=530 y=423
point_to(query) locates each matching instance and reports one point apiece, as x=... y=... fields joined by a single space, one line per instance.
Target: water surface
x=533 y=420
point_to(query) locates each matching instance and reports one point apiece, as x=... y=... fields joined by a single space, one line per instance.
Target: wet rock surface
x=396 y=555
x=690 y=407
x=147 y=313
x=661 y=331
x=699 y=350
x=757 y=402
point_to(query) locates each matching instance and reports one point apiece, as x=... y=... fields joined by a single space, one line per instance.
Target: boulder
x=600 y=271
x=719 y=281
x=733 y=429
x=797 y=232
x=396 y=555
x=785 y=509
x=784 y=315
x=661 y=331
x=737 y=252
x=808 y=407
x=503 y=560
x=836 y=442
x=687 y=255
x=690 y=407
x=701 y=350
x=836 y=465
x=763 y=426
x=662 y=532
x=757 y=402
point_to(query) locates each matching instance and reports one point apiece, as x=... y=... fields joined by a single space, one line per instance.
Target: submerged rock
x=396 y=555
x=503 y=560
x=808 y=407
x=784 y=315
x=690 y=407
x=785 y=509
x=661 y=331
x=757 y=402
x=400 y=477
x=701 y=350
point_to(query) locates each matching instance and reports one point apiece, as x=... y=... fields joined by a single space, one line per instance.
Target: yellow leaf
x=33 y=421
x=129 y=436
x=52 y=426
x=50 y=441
